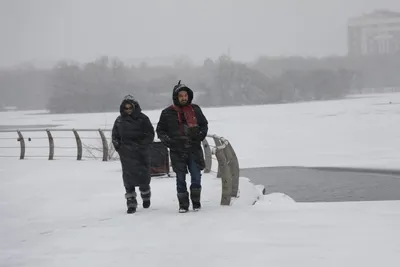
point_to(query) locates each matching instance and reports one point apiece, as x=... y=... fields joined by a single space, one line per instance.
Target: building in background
x=374 y=33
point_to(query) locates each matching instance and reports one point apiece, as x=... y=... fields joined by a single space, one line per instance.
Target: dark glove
x=194 y=134
x=179 y=143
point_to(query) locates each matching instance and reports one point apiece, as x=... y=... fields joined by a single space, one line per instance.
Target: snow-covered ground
x=70 y=213
x=67 y=213
x=356 y=132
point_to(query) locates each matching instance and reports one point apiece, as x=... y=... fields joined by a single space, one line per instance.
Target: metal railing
x=222 y=151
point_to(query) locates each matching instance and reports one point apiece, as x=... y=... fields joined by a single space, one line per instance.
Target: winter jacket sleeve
x=162 y=129
x=148 y=131
x=115 y=137
x=202 y=123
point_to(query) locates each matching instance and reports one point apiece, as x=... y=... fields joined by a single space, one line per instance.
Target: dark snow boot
x=195 y=194
x=146 y=195
x=183 y=199
x=131 y=202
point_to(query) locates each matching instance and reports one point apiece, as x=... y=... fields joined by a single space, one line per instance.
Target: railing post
x=207 y=156
x=226 y=178
x=105 y=145
x=78 y=145
x=51 y=144
x=218 y=143
x=21 y=141
x=233 y=164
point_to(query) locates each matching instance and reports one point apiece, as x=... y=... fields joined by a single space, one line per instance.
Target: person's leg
x=179 y=166
x=131 y=201
x=195 y=187
x=130 y=194
x=145 y=193
x=181 y=188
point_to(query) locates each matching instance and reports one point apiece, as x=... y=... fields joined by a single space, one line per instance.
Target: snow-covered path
x=69 y=213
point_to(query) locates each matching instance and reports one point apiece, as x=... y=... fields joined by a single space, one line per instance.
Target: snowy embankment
x=355 y=132
x=69 y=213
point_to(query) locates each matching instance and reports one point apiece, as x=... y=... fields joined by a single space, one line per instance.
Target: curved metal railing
x=76 y=144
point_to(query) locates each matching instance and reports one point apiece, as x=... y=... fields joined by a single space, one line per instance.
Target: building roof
x=374 y=17
x=382 y=14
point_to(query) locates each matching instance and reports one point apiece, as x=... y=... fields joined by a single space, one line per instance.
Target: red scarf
x=189 y=113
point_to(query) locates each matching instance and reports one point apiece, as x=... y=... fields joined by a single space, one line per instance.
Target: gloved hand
x=179 y=143
x=194 y=133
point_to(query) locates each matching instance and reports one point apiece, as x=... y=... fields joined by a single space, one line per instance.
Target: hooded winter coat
x=180 y=144
x=131 y=137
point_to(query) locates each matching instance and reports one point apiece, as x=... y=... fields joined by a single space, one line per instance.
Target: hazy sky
x=50 y=30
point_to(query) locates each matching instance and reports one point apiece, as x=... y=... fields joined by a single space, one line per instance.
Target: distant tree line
x=99 y=86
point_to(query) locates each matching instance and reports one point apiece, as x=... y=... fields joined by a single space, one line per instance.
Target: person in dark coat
x=132 y=135
x=182 y=127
